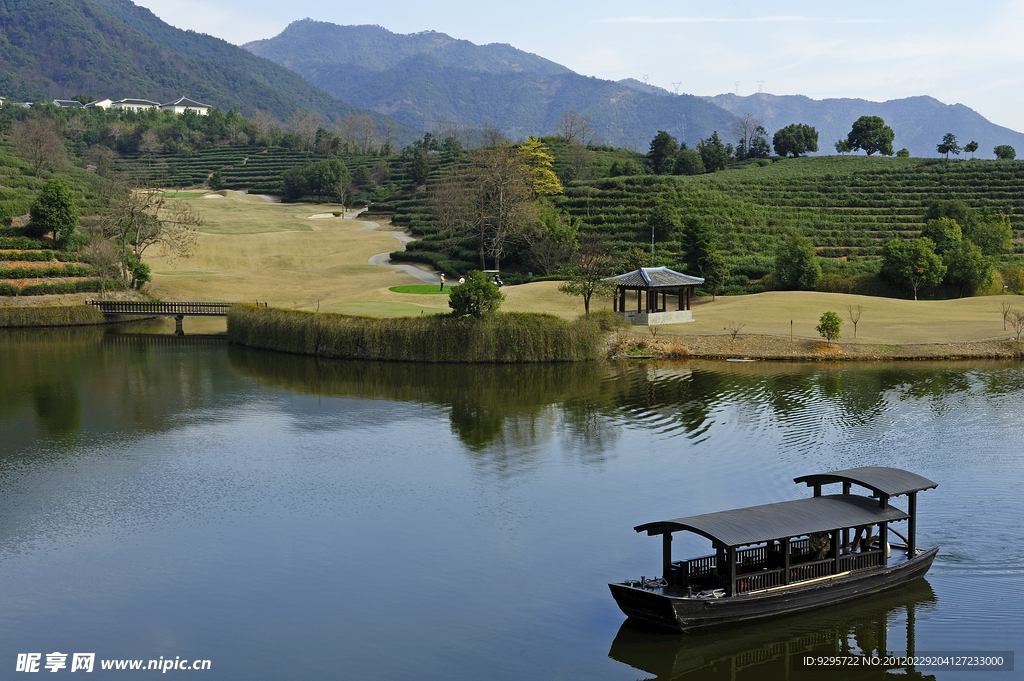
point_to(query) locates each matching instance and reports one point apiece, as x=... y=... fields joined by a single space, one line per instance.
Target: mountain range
x=919 y=122
x=423 y=78
x=55 y=49
x=426 y=77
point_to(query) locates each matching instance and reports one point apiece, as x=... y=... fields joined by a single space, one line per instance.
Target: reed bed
x=15 y=316
x=510 y=337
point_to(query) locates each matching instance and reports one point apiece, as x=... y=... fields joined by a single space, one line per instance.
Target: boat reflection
x=881 y=626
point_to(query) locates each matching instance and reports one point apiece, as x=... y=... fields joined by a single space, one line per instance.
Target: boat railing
x=760 y=580
x=813 y=570
x=860 y=561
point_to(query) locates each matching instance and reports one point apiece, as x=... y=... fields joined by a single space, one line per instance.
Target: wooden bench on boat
x=788 y=556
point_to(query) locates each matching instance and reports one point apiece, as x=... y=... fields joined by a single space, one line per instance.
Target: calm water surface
x=288 y=518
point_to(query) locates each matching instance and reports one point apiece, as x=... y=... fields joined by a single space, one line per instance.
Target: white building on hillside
x=183 y=104
x=134 y=105
x=100 y=104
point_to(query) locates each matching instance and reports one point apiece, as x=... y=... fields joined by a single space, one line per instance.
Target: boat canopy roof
x=890 y=482
x=758 y=524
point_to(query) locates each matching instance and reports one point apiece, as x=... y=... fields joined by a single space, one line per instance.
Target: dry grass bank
x=251 y=249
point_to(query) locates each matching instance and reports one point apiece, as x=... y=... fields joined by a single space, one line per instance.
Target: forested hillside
x=61 y=48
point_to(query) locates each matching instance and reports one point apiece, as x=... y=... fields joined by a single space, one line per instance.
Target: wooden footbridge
x=164 y=309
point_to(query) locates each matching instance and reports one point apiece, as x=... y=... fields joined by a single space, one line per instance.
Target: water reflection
x=493 y=408
x=59 y=382
x=882 y=625
x=502 y=409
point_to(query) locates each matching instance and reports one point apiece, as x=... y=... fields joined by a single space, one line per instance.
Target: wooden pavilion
x=653 y=285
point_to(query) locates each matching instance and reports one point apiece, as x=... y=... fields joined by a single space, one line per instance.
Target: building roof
x=137 y=102
x=890 y=482
x=655 y=277
x=769 y=522
x=68 y=103
x=185 y=101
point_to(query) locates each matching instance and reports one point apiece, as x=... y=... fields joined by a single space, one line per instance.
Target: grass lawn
x=251 y=249
x=421 y=289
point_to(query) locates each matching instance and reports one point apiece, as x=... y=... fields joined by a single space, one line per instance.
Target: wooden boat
x=787 y=557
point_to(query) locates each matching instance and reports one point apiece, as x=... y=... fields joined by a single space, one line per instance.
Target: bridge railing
x=162 y=308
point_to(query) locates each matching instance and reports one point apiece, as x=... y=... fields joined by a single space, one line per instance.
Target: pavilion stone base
x=657 y=318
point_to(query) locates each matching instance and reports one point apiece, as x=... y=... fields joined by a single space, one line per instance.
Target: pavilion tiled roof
x=655 y=277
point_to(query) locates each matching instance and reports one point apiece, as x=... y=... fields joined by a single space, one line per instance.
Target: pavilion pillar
x=638 y=308
x=912 y=526
x=622 y=299
x=817 y=489
x=679 y=299
x=834 y=550
x=666 y=557
x=731 y=558
x=883 y=539
x=846 y=532
x=785 y=560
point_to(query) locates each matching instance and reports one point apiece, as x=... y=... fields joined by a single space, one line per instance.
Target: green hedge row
x=85 y=286
x=38 y=256
x=500 y=338
x=49 y=273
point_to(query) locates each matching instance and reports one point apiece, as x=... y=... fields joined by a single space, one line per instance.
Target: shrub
x=477 y=297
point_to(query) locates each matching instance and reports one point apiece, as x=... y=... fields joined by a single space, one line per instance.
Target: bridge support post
x=178 y=319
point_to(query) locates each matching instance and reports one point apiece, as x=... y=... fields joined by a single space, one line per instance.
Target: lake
x=292 y=518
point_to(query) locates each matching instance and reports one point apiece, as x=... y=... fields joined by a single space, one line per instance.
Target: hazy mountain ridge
x=423 y=77
x=455 y=80
x=919 y=122
x=375 y=48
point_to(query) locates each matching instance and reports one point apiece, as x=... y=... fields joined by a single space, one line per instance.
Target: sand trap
x=320 y=216
x=213 y=196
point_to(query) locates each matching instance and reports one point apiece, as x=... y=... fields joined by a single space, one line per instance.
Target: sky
x=958 y=52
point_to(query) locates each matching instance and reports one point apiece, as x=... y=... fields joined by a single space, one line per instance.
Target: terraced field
x=848 y=207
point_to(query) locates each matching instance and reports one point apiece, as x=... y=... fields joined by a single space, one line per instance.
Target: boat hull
x=671 y=609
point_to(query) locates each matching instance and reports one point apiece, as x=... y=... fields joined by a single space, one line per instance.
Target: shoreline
x=768 y=347
x=634 y=345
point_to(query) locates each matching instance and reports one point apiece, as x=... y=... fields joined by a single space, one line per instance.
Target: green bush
x=478 y=296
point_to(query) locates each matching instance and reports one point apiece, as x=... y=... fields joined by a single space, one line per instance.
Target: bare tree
x=149 y=145
x=855 y=312
x=139 y=218
x=104 y=259
x=490 y=136
x=263 y=126
x=451 y=203
x=305 y=125
x=1006 y=313
x=744 y=128
x=574 y=127
x=1016 y=318
x=367 y=135
x=735 y=328
x=39 y=141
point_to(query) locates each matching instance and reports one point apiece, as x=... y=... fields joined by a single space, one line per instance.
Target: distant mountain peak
x=307 y=45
